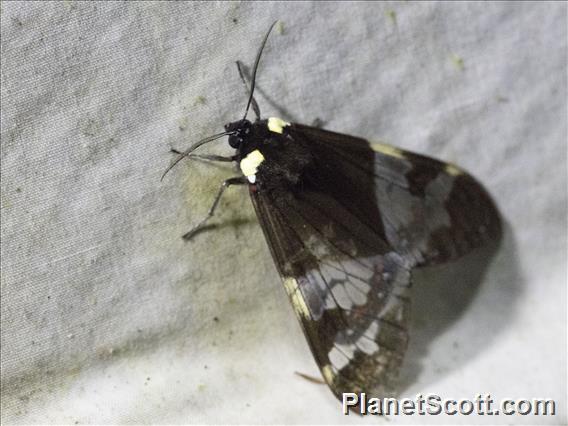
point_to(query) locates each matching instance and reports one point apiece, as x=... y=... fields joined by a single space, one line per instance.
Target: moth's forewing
x=430 y=211
x=345 y=229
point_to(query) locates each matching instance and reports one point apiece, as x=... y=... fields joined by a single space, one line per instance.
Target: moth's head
x=240 y=131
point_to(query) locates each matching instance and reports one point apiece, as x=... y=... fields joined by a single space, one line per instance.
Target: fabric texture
x=108 y=316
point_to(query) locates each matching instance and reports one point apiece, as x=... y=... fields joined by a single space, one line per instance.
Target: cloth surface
x=108 y=316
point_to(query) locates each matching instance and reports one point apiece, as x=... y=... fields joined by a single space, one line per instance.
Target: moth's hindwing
x=346 y=236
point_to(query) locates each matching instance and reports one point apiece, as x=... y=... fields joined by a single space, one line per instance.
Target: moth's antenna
x=192 y=148
x=254 y=104
x=196 y=145
x=257 y=60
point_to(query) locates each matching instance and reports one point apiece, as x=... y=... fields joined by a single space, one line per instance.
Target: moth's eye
x=234 y=141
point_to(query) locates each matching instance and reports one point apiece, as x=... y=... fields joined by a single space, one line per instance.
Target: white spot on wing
x=387 y=150
x=296 y=297
x=369 y=347
x=328 y=374
x=341 y=296
x=337 y=358
x=341 y=354
x=347 y=291
x=367 y=342
x=453 y=170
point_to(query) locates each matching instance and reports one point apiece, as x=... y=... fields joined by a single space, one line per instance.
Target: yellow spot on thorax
x=249 y=164
x=276 y=125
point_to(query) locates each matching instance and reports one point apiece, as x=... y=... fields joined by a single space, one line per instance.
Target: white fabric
x=109 y=317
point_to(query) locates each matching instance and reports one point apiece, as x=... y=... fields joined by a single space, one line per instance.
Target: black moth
x=346 y=222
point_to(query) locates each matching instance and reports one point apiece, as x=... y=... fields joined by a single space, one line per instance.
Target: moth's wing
x=429 y=210
x=346 y=238
x=347 y=287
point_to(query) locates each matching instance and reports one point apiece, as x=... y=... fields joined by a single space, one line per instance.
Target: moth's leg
x=241 y=180
x=208 y=157
x=255 y=107
x=316 y=380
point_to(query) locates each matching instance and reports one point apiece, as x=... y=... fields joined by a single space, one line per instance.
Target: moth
x=346 y=222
